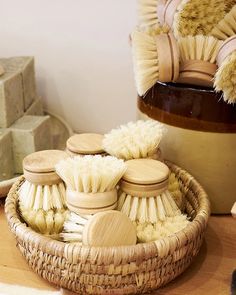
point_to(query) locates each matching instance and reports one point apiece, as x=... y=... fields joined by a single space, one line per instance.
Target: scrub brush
x=226 y=27
x=91 y=182
x=198 y=60
x=108 y=228
x=155 y=58
x=42 y=195
x=190 y=17
x=225 y=77
x=134 y=140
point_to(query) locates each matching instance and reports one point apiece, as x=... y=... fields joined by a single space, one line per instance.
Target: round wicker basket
x=114 y=270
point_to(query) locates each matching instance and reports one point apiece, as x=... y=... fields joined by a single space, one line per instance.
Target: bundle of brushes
x=198 y=59
x=155 y=58
x=91 y=182
x=225 y=77
x=42 y=195
x=144 y=197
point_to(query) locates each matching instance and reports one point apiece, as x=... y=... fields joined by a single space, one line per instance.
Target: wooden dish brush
x=42 y=195
x=155 y=58
x=91 y=182
x=198 y=60
x=190 y=17
x=225 y=77
x=226 y=27
x=108 y=228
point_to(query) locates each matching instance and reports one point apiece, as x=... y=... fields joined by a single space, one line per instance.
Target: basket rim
x=142 y=251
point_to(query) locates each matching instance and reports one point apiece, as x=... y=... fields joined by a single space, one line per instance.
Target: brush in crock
x=155 y=58
x=198 y=60
x=226 y=27
x=85 y=144
x=225 y=77
x=108 y=228
x=190 y=17
x=42 y=195
x=91 y=182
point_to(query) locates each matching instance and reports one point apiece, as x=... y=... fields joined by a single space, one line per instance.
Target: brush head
x=229 y=4
x=147 y=13
x=134 y=140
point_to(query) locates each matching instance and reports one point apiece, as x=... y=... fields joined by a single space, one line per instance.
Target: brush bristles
x=229 y=4
x=226 y=27
x=134 y=140
x=145 y=61
x=174 y=189
x=194 y=17
x=225 y=78
x=91 y=174
x=199 y=48
x=152 y=209
x=155 y=30
x=147 y=13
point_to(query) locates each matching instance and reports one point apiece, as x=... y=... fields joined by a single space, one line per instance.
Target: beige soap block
x=6 y=157
x=30 y=134
x=25 y=66
x=36 y=108
x=11 y=98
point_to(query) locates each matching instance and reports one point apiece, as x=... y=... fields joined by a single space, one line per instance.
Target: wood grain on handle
x=226 y=49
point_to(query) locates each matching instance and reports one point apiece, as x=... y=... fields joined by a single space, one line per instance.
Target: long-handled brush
x=155 y=58
x=91 y=182
x=42 y=195
x=226 y=27
x=225 y=77
x=198 y=60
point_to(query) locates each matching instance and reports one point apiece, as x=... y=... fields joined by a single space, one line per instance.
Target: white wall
x=83 y=60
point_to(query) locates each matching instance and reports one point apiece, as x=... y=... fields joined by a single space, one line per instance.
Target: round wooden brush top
x=85 y=144
x=39 y=167
x=145 y=178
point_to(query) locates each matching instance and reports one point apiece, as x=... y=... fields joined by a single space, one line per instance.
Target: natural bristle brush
x=85 y=144
x=155 y=58
x=134 y=140
x=91 y=182
x=144 y=196
x=225 y=77
x=226 y=27
x=198 y=60
x=190 y=17
x=42 y=195
x=108 y=228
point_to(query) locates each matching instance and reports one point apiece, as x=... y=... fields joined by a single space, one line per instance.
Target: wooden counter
x=210 y=272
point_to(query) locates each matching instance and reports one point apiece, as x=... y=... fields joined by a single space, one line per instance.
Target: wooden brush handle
x=89 y=203
x=143 y=191
x=168 y=58
x=226 y=49
x=197 y=72
x=46 y=178
x=166 y=11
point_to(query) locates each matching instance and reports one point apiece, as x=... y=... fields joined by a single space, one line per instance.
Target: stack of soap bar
x=6 y=156
x=29 y=134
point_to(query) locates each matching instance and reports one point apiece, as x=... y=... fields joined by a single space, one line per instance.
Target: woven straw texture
x=114 y=270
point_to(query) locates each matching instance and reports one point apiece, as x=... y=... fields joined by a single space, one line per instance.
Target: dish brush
x=225 y=78
x=91 y=182
x=226 y=27
x=108 y=228
x=190 y=17
x=155 y=58
x=42 y=195
x=198 y=60
x=134 y=140
x=85 y=144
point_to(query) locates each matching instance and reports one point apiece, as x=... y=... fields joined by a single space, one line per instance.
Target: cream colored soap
x=24 y=65
x=6 y=156
x=30 y=134
x=36 y=108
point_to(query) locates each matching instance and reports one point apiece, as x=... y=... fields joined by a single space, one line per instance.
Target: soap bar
x=11 y=98
x=25 y=66
x=36 y=108
x=6 y=157
x=30 y=134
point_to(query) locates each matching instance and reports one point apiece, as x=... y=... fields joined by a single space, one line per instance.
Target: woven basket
x=114 y=270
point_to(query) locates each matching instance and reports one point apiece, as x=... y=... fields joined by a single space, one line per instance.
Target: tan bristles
x=225 y=78
x=226 y=27
x=147 y=13
x=229 y=4
x=134 y=140
x=155 y=30
x=174 y=189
